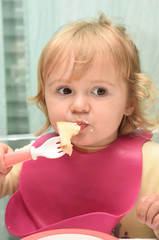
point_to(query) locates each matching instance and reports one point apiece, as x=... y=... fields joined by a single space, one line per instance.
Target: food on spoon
x=66 y=131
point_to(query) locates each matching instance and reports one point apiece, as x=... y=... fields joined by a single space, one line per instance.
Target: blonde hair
x=85 y=39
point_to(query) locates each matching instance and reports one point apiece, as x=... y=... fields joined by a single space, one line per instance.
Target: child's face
x=97 y=101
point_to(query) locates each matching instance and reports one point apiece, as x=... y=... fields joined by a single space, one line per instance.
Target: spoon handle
x=13 y=158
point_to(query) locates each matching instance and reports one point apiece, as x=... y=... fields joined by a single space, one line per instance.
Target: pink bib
x=89 y=191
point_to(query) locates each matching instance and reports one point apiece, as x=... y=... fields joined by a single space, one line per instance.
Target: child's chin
x=83 y=143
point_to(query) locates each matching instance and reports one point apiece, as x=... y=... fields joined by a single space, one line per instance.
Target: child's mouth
x=82 y=124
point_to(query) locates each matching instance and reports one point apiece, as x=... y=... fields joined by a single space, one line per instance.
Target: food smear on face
x=66 y=131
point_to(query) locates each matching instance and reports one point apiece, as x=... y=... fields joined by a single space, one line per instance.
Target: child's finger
x=3 y=169
x=3 y=150
x=153 y=210
x=155 y=224
x=143 y=207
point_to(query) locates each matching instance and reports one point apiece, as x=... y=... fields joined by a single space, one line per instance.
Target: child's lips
x=82 y=124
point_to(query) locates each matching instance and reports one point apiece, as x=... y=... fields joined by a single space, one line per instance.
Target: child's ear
x=129 y=110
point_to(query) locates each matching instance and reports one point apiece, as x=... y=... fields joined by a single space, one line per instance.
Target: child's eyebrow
x=54 y=81
x=103 y=82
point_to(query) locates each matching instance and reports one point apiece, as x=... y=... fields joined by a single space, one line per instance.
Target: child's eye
x=65 y=90
x=99 y=91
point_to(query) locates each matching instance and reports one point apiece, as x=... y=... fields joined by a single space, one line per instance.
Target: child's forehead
x=68 y=68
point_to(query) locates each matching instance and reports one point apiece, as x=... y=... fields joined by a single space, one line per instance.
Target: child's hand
x=4 y=148
x=148 y=211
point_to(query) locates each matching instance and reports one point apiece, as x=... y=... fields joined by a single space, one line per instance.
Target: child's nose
x=80 y=104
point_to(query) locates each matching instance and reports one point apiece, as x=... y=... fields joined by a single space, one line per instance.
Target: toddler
x=89 y=73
